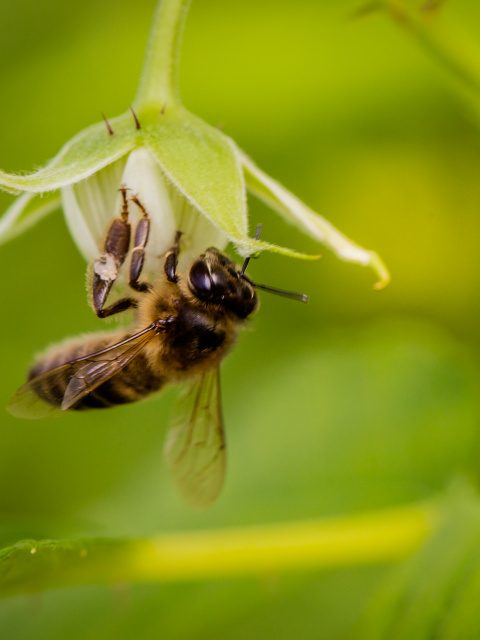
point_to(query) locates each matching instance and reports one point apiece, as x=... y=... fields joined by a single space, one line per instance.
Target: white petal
x=169 y=211
x=144 y=178
x=90 y=205
x=198 y=232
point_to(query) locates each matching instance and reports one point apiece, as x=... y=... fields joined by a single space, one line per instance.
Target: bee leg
x=117 y=307
x=142 y=232
x=171 y=259
x=107 y=266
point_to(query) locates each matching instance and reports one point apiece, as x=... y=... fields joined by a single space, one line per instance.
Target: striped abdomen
x=134 y=382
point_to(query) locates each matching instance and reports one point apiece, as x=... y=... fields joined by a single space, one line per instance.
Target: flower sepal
x=189 y=175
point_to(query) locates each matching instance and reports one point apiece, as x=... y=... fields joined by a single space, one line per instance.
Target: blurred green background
x=358 y=401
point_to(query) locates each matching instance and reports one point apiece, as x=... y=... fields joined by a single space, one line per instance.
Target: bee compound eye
x=200 y=279
x=220 y=281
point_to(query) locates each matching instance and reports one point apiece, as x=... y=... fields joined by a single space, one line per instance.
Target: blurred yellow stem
x=361 y=539
x=368 y=538
x=446 y=53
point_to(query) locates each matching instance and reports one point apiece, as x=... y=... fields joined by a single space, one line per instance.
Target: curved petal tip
x=381 y=270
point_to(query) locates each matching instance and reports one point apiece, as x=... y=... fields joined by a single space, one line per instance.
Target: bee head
x=214 y=279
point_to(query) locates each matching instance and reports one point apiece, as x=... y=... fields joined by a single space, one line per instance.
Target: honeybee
x=185 y=324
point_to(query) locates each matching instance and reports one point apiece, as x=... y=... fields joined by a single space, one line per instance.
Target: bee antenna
x=292 y=295
x=258 y=231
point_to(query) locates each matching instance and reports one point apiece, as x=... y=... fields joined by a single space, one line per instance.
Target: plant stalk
x=444 y=53
x=159 y=82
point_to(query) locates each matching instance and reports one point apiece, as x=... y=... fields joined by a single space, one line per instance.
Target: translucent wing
x=82 y=376
x=195 y=445
x=96 y=369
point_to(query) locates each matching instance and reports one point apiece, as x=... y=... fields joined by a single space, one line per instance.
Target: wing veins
x=28 y=403
x=195 y=446
x=103 y=373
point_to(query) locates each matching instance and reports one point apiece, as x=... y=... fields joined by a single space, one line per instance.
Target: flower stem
x=368 y=538
x=446 y=54
x=159 y=81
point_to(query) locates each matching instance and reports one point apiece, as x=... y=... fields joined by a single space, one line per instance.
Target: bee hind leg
x=107 y=266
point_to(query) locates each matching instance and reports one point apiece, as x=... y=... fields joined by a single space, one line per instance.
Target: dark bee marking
x=51 y=390
x=111 y=392
x=92 y=401
x=130 y=384
x=134 y=382
x=193 y=337
x=139 y=378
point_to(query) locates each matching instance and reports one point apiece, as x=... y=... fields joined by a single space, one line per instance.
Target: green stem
x=159 y=81
x=368 y=538
x=445 y=54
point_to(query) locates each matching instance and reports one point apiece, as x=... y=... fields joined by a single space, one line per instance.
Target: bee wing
x=83 y=374
x=195 y=444
x=26 y=403
x=96 y=369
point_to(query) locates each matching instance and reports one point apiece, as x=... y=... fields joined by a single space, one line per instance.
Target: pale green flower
x=189 y=175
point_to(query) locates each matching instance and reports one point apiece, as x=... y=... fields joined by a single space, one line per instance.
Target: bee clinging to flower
x=185 y=324
x=184 y=198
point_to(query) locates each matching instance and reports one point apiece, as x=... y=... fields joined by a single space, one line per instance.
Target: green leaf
x=202 y=164
x=374 y=461
x=448 y=53
x=376 y=537
x=90 y=150
x=26 y=211
x=435 y=594
x=251 y=245
x=296 y=212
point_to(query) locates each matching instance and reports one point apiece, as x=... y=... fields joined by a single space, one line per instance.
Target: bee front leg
x=107 y=266
x=171 y=259
x=137 y=260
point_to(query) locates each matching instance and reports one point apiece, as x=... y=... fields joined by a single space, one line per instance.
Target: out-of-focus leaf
x=345 y=441
x=296 y=212
x=410 y=397
x=351 y=423
x=25 y=212
x=436 y=593
x=370 y=538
